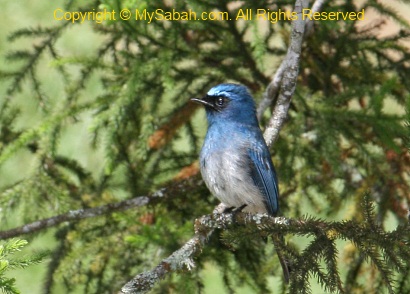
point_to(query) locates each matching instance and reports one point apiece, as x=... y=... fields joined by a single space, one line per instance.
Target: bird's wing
x=264 y=176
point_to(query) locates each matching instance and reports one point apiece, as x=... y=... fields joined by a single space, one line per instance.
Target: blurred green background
x=78 y=40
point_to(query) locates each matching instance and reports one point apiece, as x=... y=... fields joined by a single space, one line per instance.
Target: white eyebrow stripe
x=217 y=93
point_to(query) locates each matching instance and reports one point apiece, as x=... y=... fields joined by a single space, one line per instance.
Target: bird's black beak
x=204 y=101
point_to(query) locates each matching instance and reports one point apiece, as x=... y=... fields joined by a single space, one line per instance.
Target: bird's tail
x=282 y=259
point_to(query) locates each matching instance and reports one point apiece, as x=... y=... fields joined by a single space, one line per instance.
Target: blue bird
x=235 y=162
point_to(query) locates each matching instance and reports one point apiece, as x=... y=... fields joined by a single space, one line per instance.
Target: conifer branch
x=179 y=260
x=9 y=262
x=183 y=184
x=182 y=259
x=32 y=58
x=26 y=137
x=322 y=247
x=165 y=132
x=76 y=215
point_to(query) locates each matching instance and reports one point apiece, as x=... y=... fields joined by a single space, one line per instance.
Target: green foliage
x=83 y=130
x=8 y=262
x=385 y=251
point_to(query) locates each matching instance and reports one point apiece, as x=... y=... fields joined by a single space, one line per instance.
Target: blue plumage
x=264 y=176
x=235 y=161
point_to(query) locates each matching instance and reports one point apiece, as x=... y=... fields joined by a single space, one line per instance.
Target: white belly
x=228 y=178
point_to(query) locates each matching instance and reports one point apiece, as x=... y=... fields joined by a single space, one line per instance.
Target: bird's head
x=229 y=102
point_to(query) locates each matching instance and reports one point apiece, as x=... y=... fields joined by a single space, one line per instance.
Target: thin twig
x=317 y=6
x=271 y=91
x=290 y=66
x=290 y=74
x=167 y=192
x=75 y=215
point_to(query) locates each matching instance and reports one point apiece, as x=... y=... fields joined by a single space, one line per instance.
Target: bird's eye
x=220 y=101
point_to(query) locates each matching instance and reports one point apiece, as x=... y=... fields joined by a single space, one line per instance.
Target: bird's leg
x=234 y=209
x=228 y=209
x=240 y=208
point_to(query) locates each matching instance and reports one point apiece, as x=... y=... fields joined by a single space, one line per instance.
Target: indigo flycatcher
x=235 y=162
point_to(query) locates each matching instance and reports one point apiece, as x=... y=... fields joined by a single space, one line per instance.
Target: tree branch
x=286 y=75
x=325 y=232
x=290 y=72
x=185 y=182
x=182 y=259
x=76 y=215
x=178 y=260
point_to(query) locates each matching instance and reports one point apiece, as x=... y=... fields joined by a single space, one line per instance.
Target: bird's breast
x=225 y=169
